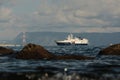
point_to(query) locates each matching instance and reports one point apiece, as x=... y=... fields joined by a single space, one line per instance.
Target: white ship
x=70 y=40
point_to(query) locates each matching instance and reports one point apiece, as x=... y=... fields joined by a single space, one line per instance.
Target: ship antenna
x=24 y=39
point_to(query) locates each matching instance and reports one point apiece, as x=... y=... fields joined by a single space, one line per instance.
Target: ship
x=71 y=40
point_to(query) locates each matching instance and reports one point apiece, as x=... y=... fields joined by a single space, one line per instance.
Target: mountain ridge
x=48 y=38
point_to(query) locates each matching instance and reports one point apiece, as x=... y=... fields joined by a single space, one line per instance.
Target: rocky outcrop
x=33 y=51
x=111 y=50
x=76 y=57
x=5 y=51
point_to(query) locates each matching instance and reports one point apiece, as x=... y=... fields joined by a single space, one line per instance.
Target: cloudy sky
x=58 y=15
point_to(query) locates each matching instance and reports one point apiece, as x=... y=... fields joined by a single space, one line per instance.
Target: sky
x=58 y=15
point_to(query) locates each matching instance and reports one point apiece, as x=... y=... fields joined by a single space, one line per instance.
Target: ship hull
x=68 y=44
x=63 y=44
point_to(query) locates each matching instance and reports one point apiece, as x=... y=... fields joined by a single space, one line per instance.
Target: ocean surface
x=101 y=68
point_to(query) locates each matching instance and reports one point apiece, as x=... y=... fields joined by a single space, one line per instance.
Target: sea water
x=100 y=68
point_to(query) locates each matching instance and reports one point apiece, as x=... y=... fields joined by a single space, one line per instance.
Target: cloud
x=81 y=12
x=7 y=2
x=59 y=15
x=5 y=14
x=102 y=13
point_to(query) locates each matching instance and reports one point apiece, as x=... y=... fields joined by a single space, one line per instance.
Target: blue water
x=101 y=65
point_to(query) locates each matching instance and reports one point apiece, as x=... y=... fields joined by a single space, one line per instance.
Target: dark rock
x=111 y=50
x=5 y=51
x=32 y=51
x=76 y=57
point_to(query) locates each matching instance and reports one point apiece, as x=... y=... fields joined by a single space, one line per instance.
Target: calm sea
x=103 y=67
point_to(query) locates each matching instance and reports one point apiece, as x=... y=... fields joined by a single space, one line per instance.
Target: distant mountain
x=48 y=38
